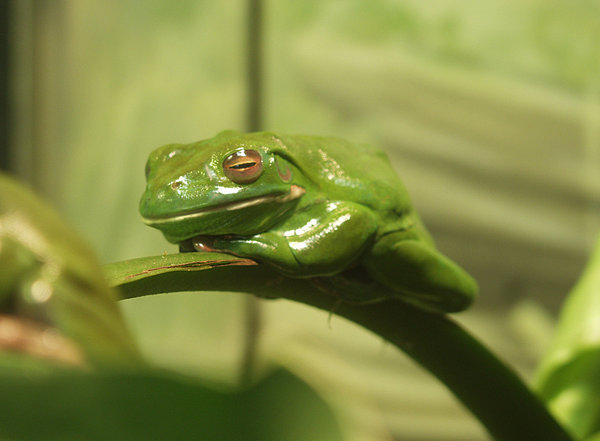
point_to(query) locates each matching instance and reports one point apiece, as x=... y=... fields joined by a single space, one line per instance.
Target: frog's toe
x=204 y=244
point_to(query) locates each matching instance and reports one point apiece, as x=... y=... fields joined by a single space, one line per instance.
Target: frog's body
x=309 y=206
x=49 y=275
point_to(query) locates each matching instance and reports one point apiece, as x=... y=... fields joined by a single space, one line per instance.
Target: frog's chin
x=294 y=193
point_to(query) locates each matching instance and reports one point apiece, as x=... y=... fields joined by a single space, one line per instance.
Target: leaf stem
x=492 y=391
x=485 y=385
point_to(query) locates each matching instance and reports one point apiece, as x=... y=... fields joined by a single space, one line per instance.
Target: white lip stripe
x=294 y=193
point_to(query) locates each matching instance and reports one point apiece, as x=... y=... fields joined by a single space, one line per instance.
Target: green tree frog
x=50 y=278
x=309 y=206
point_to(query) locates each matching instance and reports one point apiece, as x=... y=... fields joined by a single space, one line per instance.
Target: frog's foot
x=203 y=244
x=259 y=247
x=266 y=248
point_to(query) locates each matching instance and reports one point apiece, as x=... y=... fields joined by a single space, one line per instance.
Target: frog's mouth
x=294 y=193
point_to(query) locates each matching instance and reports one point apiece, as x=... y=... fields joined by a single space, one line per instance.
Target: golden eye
x=243 y=166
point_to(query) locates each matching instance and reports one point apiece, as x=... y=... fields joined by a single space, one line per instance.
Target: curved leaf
x=440 y=345
x=568 y=377
x=65 y=405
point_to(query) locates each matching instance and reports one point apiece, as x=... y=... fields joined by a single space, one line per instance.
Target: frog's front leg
x=321 y=240
x=420 y=274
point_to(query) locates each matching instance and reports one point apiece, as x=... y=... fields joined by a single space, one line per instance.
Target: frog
x=308 y=207
x=55 y=303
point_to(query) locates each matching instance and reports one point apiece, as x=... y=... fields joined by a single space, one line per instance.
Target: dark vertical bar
x=254 y=65
x=252 y=306
x=5 y=101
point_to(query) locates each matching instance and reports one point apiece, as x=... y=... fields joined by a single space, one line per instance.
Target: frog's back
x=360 y=173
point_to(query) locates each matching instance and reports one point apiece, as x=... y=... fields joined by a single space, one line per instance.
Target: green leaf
x=568 y=377
x=595 y=437
x=148 y=405
x=38 y=249
x=129 y=271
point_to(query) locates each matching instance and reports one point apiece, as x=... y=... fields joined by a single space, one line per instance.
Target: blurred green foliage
x=568 y=375
x=73 y=405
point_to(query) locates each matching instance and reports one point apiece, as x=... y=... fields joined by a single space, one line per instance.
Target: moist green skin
x=321 y=206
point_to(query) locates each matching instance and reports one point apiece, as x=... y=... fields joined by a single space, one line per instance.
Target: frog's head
x=234 y=183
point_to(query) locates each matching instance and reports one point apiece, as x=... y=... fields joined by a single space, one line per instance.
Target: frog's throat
x=294 y=193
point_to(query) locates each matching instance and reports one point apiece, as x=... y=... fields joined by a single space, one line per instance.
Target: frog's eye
x=243 y=166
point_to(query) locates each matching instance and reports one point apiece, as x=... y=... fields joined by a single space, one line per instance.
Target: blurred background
x=489 y=110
